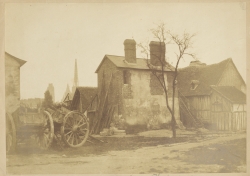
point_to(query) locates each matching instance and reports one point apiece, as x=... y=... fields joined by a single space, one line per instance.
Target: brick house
x=214 y=95
x=129 y=91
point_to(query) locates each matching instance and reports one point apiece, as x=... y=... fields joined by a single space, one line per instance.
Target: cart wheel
x=75 y=129
x=10 y=134
x=45 y=136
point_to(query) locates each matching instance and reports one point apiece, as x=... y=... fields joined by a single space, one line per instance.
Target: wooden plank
x=104 y=103
x=232 y=121
x=219 y=121
x=236 y=120
x=226 y=124
x=245 y=118
x=224 y=121
x=240 y=121
x=227 y=121
x=243 y=121
x=96 y=138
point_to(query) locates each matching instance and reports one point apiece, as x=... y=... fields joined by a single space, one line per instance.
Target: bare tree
x=183 y=44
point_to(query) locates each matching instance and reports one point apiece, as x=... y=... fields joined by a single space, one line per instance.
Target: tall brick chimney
x=157 y=53
x=130 y=50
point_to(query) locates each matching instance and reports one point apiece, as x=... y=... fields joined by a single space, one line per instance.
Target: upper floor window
x=155 y=84
x=126 y=77
x=194 y=84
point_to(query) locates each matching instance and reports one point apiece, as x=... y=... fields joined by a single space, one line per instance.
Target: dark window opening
x=155 y=84
x=126 y=77
x=194 y=84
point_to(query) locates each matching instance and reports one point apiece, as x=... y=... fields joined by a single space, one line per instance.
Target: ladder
x=183 y=106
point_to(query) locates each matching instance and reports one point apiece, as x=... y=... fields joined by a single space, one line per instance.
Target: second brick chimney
x=157 y=53
x=130 y=50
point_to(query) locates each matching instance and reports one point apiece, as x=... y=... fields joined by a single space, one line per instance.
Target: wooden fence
x=234 y=121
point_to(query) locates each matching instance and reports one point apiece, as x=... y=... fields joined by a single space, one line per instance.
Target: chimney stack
x=197 y=63
x=157 y=53
x=130 y=50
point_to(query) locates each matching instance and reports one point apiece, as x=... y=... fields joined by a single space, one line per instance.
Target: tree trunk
x=173 y=108
x=173 y=123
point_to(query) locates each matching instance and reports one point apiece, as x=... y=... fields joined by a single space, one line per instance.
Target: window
x=155 y=85
x=126 y=77
x=194 y=84
x=127 y=89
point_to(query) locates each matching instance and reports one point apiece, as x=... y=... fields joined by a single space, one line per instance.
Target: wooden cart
x=72 y=126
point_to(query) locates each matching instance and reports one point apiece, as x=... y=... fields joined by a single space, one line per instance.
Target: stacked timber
x=105 y=112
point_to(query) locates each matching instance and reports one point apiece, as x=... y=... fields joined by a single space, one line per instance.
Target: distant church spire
x=75 y=85
x=76 y=75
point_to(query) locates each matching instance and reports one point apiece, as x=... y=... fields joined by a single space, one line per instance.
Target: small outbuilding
x=85 y=101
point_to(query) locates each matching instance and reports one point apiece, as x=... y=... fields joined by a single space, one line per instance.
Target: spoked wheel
x=10 y=134
x=75 y=129
x=46 y=134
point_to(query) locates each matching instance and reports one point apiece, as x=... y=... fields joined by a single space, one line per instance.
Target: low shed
x=228 y=108
x=83 y=98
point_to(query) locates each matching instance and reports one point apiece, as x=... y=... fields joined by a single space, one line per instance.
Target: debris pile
x=112 y=131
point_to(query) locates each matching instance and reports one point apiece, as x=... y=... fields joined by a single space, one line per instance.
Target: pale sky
x=51 y=36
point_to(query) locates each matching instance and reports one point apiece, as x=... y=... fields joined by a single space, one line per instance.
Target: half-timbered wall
x=225 y=115
x=218 y=112
x=239 y=107
x=200 y=107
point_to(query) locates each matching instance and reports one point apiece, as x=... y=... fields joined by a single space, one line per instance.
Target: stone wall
x=12 y=84
x=114 y=96
x=143 y=106
x=133 y=98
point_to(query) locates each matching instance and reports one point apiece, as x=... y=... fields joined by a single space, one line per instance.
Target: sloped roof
x=119 y=61
x=231 y=93
x=206 y=75
x=85 y=94
x=88 y=92
x=20 y=61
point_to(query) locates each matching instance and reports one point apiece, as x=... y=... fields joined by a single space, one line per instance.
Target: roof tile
x=206 y=75
x=120 y=62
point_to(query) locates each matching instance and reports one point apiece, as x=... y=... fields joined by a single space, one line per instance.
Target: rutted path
x=173 y=158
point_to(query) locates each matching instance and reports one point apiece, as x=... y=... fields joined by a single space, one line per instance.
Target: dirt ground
x=150 y=152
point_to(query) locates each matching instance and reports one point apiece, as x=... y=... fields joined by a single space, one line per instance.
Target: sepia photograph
x=125 y=88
